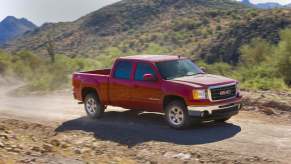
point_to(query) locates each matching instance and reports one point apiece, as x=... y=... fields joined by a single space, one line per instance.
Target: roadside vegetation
x=39 y=72
x=262 y=65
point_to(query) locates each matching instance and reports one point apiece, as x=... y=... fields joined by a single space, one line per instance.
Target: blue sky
x=40 y=11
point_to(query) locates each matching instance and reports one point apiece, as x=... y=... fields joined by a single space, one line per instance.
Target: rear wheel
x=177 y=115
x=93 y=107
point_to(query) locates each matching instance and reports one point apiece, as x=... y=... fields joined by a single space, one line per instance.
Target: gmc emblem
x=226 y=92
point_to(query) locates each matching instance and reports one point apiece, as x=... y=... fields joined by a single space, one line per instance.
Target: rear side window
x=123 y=70
x=142 y=69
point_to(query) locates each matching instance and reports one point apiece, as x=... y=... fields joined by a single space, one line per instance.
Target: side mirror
x=149 y=77
x=203 y=69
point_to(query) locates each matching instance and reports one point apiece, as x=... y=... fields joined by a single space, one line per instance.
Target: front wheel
x=177 y=115
x=93 y=107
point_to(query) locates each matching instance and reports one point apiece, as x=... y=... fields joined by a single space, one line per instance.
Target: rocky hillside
x=11 y=27
x=263 y=24
x=197 y=28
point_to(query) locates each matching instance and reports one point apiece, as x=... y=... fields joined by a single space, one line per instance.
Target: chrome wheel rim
x=176 y=116
x=91 y=106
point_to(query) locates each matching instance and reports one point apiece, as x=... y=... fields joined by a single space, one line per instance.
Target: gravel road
x=252 y=136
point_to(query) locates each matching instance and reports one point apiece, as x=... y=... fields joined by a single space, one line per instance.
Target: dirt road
x=248 y=137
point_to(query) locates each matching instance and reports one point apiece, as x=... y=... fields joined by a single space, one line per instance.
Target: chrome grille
x=223 y=92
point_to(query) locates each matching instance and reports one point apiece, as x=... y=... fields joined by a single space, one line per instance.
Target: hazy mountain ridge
x=105 y=27
x=267 y=5
x=12 y=27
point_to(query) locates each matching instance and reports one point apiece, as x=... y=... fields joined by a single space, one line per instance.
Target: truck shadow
x=131 y=128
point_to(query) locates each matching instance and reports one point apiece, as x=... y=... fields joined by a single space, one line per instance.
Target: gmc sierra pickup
x=173 y=85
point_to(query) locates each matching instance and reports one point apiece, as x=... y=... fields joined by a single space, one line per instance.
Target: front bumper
x=215 y=111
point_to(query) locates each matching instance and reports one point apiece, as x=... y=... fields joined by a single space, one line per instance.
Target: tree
x=283 y=55
x=258 y=51
x=50 y=47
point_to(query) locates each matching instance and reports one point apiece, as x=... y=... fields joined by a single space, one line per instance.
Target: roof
x=152 y=58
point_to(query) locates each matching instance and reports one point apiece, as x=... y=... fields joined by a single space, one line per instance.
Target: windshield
x=177 y=68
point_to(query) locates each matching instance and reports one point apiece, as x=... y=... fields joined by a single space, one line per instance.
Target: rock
x=183 y=156
x=4 y=135
x=85 y=150
x=82 y=151
x=35 y=148
x=47 y=147
x=268 y=111
x=1 y=145
x=55 y=142
x=77 y=151
x=64 y=146
x=15 y=150
x=28 y=153
x=2 y=128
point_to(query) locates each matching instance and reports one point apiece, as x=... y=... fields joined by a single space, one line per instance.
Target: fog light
x=204 y=114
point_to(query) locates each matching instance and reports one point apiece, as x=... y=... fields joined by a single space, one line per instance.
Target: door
x=120 y=84
x=146 y=95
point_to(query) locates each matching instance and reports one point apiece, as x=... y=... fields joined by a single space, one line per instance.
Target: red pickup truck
x=173 y=85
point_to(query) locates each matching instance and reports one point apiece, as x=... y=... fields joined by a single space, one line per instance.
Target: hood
x=204 y=80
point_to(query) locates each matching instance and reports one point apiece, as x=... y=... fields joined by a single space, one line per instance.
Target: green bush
x=266 y=66
x=5 y=62
x=283 y=56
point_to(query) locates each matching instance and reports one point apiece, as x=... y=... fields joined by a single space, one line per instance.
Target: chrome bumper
x=209 y=109
x=215 y=111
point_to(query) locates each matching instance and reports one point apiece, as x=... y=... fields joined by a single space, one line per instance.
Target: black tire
x=93 y=111
x=181 y=108
x=223 y=119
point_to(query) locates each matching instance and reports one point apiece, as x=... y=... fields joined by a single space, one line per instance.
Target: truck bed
x=97 y=72
x=98 y=79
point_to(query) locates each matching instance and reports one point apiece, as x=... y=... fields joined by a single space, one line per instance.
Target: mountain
x=247 y=3
x=269 y=5
x=130 y=24
x=209 y=29
x=12 y=27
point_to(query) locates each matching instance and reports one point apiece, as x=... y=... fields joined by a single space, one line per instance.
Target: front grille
x=224 y=92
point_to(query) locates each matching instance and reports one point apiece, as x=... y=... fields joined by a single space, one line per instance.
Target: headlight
x=199 y=94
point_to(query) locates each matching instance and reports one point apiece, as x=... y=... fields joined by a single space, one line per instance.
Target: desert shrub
x=283 y=56
x=259 y=77
x=266 y=66
x=256 y=52
x=155 y=49
x=5 y=63
x=217 y=68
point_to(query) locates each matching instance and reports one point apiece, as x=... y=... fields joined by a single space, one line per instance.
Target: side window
x=123 y=70
x=142 y=69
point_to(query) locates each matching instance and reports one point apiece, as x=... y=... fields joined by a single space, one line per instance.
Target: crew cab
x=168 y=84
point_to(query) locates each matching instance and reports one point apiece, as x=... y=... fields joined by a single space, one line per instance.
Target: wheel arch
x=169 y=98
x=87 y=90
